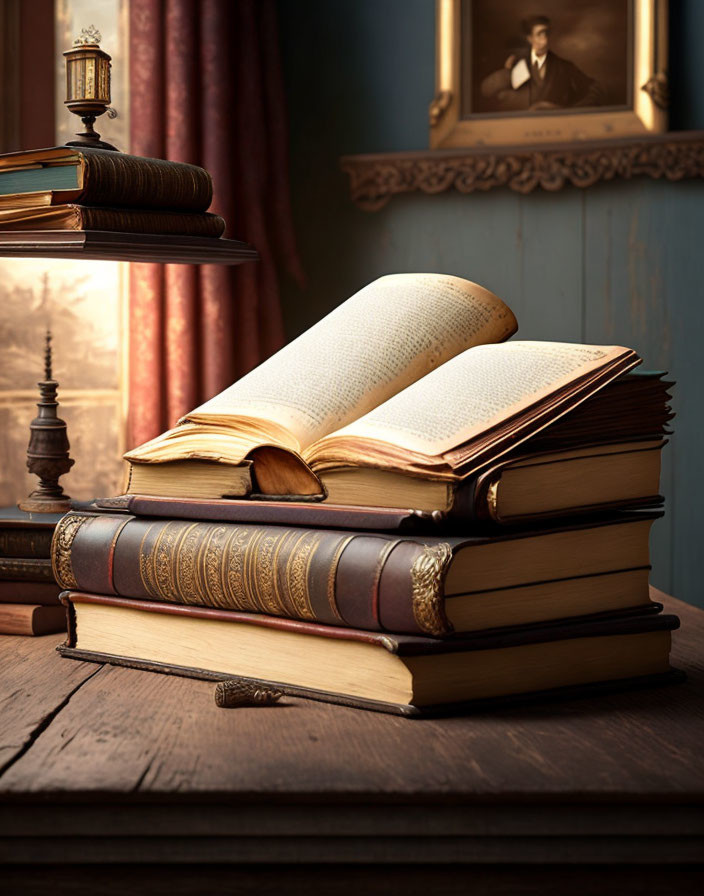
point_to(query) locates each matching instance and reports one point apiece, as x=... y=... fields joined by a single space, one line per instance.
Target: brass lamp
x=88 y=86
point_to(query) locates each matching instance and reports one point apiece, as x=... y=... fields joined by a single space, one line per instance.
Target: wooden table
x=141 y=771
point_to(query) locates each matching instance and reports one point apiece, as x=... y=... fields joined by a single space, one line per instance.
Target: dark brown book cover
x=44 y=593
x=120 y=180
x=470 y=509
x=26 y=569
x=26 y=535
x=121 y=220
x=367 y=580
x=28 y=619
x=402 y=645
x=311 y=514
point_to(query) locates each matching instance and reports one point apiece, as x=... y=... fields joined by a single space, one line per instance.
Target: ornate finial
x=47 y=452
x=237 y=692
x=89 y=37
x=47 y=356
x=658 y=89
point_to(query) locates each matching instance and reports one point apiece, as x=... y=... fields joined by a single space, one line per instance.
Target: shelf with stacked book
x=64 y=202
x=101 y=245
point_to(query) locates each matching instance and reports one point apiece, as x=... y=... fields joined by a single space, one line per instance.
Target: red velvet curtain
x=206 y=88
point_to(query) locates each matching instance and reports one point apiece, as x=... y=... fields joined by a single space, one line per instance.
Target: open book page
x=385 y=337
x=471 y=394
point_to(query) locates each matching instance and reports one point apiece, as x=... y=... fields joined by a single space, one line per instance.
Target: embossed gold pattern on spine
x=492 y=498
x=64 y=534
x=427 y=577
x=235 y=568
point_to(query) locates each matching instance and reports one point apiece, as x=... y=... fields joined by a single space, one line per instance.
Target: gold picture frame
x=466 y=113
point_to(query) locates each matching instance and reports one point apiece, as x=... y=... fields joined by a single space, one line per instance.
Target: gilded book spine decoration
x=298 y=573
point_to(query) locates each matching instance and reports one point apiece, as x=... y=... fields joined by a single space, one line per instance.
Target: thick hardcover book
x=101 y=177
x=432 y=584
x=121 y=220
x=391 y=673
x=26 y=535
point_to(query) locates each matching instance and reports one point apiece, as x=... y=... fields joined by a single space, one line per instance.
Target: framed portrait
x=548 y=71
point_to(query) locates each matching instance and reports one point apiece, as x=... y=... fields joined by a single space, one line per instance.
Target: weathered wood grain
x=34 y=684
x=127 y=731
x=319 y=880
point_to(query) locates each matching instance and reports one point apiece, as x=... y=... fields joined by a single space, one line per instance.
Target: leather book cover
x=121 y=220
x=402 y=645
x=44 y=593
x=121 y=180
x=26 y=535
x=26 y=569
x=360 y=579
x=279 y=513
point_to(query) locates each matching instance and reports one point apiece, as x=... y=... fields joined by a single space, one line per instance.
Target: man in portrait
x=537 y=79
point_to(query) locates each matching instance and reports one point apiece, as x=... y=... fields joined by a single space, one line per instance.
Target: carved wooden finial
x=47 y=452
x=236 y=692
x=47 y=356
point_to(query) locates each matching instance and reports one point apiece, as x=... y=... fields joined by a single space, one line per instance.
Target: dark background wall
x=616 y=263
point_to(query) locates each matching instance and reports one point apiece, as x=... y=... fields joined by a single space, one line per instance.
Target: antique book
x=393 y=673
x=520 y=488
x=88 y=176
x=406 y=376
x=123 y=220
x=24 y=534
x=434 y=584
x=44 y=593
x=26 y=569
x=25 y=619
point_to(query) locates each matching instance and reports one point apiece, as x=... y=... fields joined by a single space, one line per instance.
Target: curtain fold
x=206 y=87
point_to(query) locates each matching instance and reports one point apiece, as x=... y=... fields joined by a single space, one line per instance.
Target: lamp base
x=90 y=138
x=92 y=144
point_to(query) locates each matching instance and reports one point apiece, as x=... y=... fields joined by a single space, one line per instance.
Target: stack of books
x=67 y=188
x=29 y=596
x=399 y=510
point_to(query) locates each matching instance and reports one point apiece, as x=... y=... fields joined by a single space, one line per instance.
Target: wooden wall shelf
x=104 y=246
x=374 y=179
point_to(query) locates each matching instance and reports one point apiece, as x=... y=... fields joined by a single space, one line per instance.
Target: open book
x=410 y=378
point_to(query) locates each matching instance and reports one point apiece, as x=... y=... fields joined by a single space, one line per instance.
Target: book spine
x=25 y=542
x=161 y=222
x=359 y=580
x=21 y=569
x=125 y=181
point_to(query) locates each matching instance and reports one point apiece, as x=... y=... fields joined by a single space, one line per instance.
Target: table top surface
x=79 y=729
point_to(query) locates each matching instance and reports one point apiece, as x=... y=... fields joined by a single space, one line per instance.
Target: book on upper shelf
x=428 y=583
x=121 y=220
x=408 y=395
x=88 y=176
x=392 y=673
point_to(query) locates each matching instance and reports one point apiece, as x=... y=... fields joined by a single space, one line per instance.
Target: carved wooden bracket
x=374 y=179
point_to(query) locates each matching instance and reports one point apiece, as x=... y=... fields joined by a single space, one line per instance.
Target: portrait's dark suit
x=563 y=85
